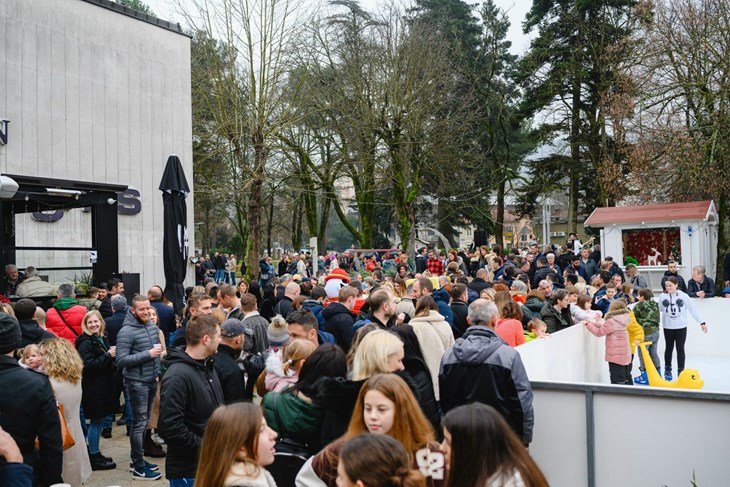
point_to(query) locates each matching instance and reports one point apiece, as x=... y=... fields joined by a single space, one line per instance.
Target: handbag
x=68 y=440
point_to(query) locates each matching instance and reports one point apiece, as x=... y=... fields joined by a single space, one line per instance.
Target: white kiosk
x=652 y=235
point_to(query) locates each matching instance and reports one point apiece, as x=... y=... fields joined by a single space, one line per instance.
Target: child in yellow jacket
x=636 y=335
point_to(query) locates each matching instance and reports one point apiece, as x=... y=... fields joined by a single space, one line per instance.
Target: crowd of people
x=370 y=370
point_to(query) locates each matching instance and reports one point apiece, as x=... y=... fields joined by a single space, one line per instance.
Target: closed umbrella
x=175 y=189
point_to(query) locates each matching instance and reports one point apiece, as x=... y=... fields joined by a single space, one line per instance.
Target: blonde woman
x=379 y=352
x=63 y=366
x=97 y=383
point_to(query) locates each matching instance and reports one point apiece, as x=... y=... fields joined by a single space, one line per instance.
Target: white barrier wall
x=590 y=433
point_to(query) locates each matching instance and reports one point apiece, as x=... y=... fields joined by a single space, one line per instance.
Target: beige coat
x=76 y=466
x=435 y=337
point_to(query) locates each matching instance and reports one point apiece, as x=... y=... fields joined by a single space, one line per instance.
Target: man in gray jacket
x=481 y=367
x=138 y=352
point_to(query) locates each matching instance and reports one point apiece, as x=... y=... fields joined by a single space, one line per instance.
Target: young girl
x=32 y=356
x=237 y=444
x=581 y=311
x=480 y=449
x=675 y=306
x=376 y=461
x=385 y=406
x=618 y=351
x=536 y=329
x=280 y=373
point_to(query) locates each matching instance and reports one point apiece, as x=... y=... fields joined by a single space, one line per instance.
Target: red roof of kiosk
x=694 y=210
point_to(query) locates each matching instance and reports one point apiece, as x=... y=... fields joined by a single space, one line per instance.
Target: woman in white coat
x=434 y=336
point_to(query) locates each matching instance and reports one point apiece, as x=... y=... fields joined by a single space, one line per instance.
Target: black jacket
x=97 y=381
x=338 y=321
x=478 y=284
x=707 y=285
x=460 y=310
x=113 y=324
x=337 y=397
x=230 y=375
x=284 y=307
x=165 y=317
x=680 y=281
x=28 y=409
x=190 y=393
x=106 y=308
x=33 y=333
x=541 y=274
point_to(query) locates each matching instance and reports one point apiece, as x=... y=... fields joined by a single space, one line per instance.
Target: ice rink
x=590 y=433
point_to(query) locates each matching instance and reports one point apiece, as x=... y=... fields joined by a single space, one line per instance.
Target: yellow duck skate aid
x=688 y=379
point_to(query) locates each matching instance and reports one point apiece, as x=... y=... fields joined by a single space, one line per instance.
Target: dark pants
x=141 y=397
x=673 y=337
x=620 y=374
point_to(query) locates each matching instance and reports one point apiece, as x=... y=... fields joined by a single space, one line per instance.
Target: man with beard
x=231 y=376
x=190 y=392
x=138 y=352
x=383 y=309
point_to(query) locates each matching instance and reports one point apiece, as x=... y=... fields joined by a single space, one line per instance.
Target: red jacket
x=73 y=316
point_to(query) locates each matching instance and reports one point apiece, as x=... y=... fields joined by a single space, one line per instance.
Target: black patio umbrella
x=175 y=189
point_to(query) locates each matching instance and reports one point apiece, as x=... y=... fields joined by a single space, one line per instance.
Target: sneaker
x=151 y=466
x=157 y=439
x=146 y=474
x=106 y=433
x=668 y=375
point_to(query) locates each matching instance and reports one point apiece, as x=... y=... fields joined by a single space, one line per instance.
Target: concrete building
x=97 y=97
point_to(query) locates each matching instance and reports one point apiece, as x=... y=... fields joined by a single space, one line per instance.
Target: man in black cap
x=233 y=336
x=28 y=409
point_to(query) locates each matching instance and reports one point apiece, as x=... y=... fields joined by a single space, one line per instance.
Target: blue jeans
x=84 y=426
x=219 y=275
x=94 y=434
x=233 y=278
x=109 y=421
x=652 y=349
x=186 y=482
x=141 y=396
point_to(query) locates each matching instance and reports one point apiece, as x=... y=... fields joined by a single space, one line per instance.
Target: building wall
x=94 y=95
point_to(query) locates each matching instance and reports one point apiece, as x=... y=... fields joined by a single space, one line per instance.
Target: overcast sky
x=516 y=9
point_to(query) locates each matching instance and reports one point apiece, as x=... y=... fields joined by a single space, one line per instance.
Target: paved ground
x=118 y=448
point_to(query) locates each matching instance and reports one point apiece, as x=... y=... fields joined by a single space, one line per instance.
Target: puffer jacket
x=65 y=315
x=297 y=419
x=189 y=394
x=134 y=342
x=480 y=367
x=617 y=336
x=338 y=321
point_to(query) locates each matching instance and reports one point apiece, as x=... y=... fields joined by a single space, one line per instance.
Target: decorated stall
x=650 y=236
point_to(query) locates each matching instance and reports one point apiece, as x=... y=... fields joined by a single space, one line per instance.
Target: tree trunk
x=574 y=165
x=324 y=218
x=499 y=227
x=723 y=238
x=254 y=205
x=270 y=223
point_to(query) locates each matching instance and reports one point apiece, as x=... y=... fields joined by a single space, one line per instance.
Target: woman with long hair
x=63 y=365
x=268 y=302
x=376 y=461
x=97 y=383
x=482 y=450
x=434 y=336
x=385 y=406
x=241 y=288
x=236 y=447
x=292 y=412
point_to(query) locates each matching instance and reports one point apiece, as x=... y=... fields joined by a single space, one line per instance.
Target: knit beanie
x=277 y=333
x=10 y=336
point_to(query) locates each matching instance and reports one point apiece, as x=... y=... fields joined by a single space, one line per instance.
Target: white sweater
x=675 y=308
